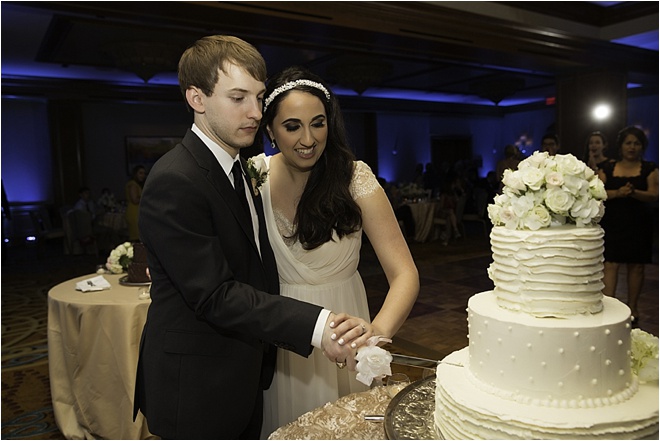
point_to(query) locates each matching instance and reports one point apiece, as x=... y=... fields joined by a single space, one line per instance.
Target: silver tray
x=124 y=281
x=410 y=413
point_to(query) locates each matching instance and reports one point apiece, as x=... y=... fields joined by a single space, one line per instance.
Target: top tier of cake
x=552 y=272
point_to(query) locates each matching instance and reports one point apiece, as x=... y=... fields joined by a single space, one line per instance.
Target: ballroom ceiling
x=464 y=53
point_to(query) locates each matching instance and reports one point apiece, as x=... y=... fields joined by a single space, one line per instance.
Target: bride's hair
x=326 y=204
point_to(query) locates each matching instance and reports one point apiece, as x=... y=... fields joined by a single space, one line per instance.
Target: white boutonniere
x=373 y=361
x=258 y=172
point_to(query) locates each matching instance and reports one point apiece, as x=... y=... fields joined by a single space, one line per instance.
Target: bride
x=318 y=200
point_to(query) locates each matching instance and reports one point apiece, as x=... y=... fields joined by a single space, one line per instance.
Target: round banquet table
x=93 y=344
x=422 y=213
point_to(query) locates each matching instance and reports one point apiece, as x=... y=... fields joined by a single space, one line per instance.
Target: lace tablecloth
x=341 y=419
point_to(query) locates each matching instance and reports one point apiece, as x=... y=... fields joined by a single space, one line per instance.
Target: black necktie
x=239 y=185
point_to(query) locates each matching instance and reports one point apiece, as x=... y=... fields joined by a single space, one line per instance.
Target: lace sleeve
x=364 y=182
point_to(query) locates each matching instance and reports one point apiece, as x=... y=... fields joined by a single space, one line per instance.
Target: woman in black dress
x=631 y=184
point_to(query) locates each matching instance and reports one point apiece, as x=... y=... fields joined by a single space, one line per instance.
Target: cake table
x=410 y=413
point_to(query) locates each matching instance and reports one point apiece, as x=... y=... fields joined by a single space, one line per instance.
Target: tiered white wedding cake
x=548 y=357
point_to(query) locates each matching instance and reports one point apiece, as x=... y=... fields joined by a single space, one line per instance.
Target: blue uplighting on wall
x=646 y=40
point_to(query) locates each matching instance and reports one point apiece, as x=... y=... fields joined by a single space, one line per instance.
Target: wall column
x=577 y=95
x=66 y=135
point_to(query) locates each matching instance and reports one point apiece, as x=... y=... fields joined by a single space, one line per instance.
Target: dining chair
x=44 y=230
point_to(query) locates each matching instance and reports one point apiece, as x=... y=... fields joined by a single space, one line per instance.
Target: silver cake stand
x=410 y=413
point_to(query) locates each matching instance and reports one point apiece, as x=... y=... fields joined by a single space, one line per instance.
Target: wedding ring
x=341 y=364
x=364 y=329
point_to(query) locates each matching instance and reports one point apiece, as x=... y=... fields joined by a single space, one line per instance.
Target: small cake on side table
x=137 y=269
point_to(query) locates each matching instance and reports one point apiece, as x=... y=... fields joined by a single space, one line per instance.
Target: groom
x=208 y=346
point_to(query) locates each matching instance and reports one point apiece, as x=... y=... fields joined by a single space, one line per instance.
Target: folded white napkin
x=97 y=283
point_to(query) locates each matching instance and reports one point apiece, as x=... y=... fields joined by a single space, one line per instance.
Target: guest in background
x=431 y=179
x=402 y=211
x=550 y=144
x=510 y=161
x=491 y=185
x=629 y=224
x=446 y=209
x=85 y=202
x=133 y=192
x=318 y=202
x=595 y=152
x=107 y=201
x=418 y=178
x=84 y=218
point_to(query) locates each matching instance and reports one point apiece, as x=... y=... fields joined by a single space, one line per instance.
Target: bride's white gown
x=325 y=276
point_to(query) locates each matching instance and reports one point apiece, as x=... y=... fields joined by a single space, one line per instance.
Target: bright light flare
x=602 y=111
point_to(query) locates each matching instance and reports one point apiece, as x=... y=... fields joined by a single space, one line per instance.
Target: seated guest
x=85 y=202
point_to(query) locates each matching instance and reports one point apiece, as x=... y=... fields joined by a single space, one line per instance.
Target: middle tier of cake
x=574 y=362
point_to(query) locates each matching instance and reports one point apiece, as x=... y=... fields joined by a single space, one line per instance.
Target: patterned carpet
x=436 y=326
x=27 y=275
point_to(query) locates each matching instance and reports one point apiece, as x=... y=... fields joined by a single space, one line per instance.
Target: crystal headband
x=291 y=85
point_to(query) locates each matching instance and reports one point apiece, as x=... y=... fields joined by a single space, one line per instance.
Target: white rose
x=601 y=212
x=584 y=210
x=597 y=188
x=554 y=179
x=512 y=180
x=509 y=219
x=533 y=178
x=558 y=200
x=259 y=162
x=570 y=165
x=494 y=213
x=575 y=185
x=129 y=252
x=644 y=355
x=522 y=205
x=588 y=173
x=114 y=268
x=537 y=160
x=503 y=199
x=649 y=372
x=372 y=362
x=537 y=218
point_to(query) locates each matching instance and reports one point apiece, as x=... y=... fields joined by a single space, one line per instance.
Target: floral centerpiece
x=644 y=353
x=412 y=191
x=120 y=258
x=258 y=171
x=549 y=191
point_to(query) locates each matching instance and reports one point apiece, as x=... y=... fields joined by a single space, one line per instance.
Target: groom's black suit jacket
x=206 y=347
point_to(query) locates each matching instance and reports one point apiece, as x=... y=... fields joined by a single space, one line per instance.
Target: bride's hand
x=352 y=331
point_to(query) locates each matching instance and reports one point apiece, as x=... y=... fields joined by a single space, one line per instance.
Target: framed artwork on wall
x=146 y=150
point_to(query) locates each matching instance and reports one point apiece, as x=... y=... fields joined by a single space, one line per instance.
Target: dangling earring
x=273 y=144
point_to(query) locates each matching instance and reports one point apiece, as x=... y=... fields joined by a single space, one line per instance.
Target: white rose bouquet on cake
x=120 y=258
x=549 y=191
